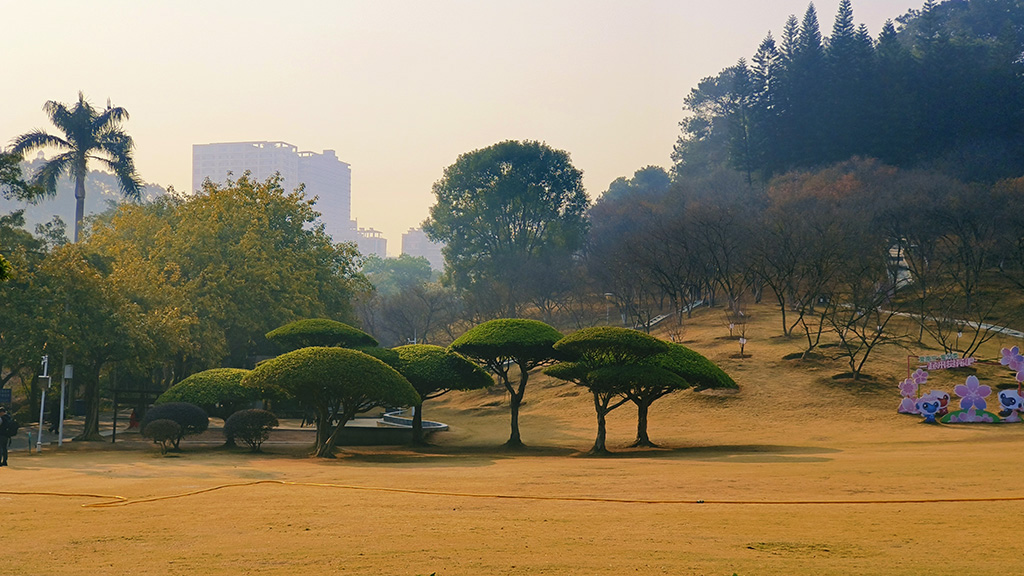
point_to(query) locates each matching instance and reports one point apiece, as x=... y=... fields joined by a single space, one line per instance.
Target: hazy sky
x=398 y=88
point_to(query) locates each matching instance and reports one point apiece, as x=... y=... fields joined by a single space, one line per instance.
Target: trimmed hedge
x=433 y=368
x=190 y=418
x=528 y=340
x=251 y=426
x=610 y=344
x=320 y=332
x=318 y=372
x=161 y=432
x=218 y=391
x=700 y=372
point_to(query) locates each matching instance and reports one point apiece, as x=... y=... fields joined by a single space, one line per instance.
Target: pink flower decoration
x=908 y=388
x=919 y=376
x=970 y=416
x=972 y=394
x=907 y=406
x=1012 y=358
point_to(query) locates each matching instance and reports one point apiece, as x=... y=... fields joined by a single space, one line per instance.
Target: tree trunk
x=514 y=441
x=79 y=199
x=91 y=392
x=642 y=439
x=327 y=449
x=417 y=426
x=602 y=428
x=323 y=431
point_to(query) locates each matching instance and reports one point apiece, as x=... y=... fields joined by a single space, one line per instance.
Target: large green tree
x=242 y=259
x=506 y=342
x=608 y=361
x=88 y=134
x=434 y=371
x=337 y=383
x=105 y=320
x=503 y=211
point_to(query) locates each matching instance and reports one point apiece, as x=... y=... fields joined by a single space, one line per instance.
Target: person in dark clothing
x=5 y=440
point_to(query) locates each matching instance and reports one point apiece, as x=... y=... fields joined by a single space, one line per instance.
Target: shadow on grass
x=740 y=453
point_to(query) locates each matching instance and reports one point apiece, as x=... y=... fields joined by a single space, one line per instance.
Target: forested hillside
x=940 y=87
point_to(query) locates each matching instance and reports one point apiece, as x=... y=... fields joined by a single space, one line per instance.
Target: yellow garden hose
x=113 y=501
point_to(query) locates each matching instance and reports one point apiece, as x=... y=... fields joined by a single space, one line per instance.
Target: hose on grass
x=112 y=501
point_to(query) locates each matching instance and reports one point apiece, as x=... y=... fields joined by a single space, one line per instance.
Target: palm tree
x=89 y=134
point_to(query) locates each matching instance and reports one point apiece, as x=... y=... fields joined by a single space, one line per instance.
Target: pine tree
x=768 y=105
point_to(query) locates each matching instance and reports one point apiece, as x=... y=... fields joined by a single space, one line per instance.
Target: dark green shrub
x=163 y=432
x=191 y=418
x=250 y=426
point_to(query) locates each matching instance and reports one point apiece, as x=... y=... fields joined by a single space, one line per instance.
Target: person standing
x=5 y=439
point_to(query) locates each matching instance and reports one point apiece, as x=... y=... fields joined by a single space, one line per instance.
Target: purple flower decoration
x=919 y=376
x=908 y=388
x=969 y=416
x=1012 y=358
x=972 y=394
x=907 y=406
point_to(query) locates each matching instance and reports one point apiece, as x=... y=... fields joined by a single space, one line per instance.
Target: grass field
x=798 y=474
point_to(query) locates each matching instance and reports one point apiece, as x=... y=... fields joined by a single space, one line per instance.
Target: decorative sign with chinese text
x=933 y=406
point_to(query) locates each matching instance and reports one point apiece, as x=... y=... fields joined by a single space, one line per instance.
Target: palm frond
x=35 y=140
x=124 y=168
x=58 y=113
x=47 y=176
x=110 y=118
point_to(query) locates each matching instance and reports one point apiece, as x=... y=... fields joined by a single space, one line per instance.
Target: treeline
x=941 y=87
x=161 y=290
x=842 y=251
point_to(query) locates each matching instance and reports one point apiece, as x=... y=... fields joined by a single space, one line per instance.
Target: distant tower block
x=370 y=241
x=325 y=177
x=416 y=243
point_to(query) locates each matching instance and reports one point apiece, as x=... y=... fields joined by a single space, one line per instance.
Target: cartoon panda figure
x=929 y=407
x=1012 y=405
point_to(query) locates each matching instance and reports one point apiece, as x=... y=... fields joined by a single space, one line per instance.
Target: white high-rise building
x=325 y=177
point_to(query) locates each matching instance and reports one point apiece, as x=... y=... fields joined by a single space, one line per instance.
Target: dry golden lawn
x=790 y=434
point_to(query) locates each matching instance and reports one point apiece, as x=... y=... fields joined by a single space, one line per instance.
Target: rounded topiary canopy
x=694 y=368
x=191 y=418
x=612 y=343
x=320 y=332
x=210 y=388
x=510 y=338
x=432 y=368
x=321 y=372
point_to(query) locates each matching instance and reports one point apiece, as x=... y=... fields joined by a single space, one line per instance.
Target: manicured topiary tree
x=434 y=371
x=337 y=383
x=162 y=432
x=696 y=371
x=191 y=418
x=610 y=361
x=251 y=426
x=218 y=391
x=319 y=332
x=499 y=344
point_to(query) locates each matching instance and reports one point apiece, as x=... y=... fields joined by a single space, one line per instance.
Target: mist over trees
x=845 y=180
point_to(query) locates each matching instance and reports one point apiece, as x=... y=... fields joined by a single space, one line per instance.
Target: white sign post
x=44 y=385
